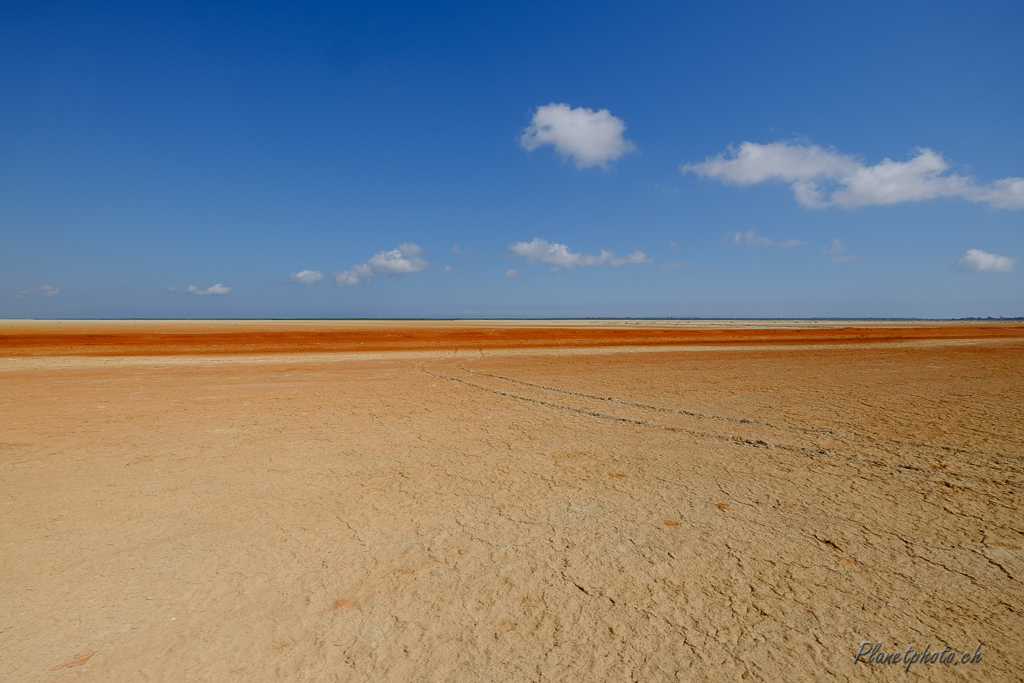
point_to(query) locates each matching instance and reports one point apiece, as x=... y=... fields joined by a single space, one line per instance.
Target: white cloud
x=353 y=276
x=212 y=289
x=559 y=255
x=405 y=259
x=458 y=252
x=588 y=137
x=1007 y=193
x=306 y=277
x=822 y=177
x=982 y=261
x=673 y=266
x=542 y=251
x=512 y=272
x=45 y=290
x=837 y=250
x=172 y=289
x=446 y=269
x=637 y=258
x=752 y=239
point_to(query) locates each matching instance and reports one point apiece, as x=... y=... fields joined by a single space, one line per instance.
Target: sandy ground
x=509 y=506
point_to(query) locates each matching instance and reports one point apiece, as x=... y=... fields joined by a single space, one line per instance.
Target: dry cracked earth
x=716 y=512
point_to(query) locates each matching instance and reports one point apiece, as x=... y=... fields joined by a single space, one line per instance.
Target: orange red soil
x=184 y=338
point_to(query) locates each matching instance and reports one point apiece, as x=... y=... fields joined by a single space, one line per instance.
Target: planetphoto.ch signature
x=872 y=653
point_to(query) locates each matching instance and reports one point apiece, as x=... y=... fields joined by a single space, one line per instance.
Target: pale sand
x=748 y=510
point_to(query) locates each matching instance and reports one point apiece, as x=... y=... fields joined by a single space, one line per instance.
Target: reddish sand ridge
x=116 y=338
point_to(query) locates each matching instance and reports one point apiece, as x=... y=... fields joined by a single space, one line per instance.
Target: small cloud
x=458 y=252
x=750 y=238
x=674 y=244
x=446 y=269
x=837 y=250
x=980 y=261
x=512 y=272
x=636 y=258
x=171 y=289
x=662 y=187
x=405 y=259
x=821 y=177
x=588 y=137
x=542 y=251
x=212 y=289
x=753 y=240
x=837 y=247
x=306 y=277
x=45 y=290
x=356 y=275
x=672 y=266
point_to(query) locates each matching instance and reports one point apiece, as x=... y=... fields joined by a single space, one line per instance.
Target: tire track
x=730 y=438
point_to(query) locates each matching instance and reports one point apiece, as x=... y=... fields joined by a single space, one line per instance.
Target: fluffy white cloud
x=353 y=276
x=306 y=277
x=982 y=261
x=212 y=289
x=837 y=250
x=405 y=259
x=45 y=290
x=512 y=272
x=542 y=251
x=588 y=137
x=752 y=239
x=822 y=177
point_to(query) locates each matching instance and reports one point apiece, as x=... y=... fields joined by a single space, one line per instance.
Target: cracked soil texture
x=714 y=511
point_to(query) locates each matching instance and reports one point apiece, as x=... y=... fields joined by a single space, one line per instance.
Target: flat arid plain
x=503 y=501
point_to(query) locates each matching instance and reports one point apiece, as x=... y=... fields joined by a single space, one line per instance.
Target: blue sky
x=209 y=160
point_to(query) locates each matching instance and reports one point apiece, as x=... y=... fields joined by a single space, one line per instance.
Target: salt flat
x=494 y=501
